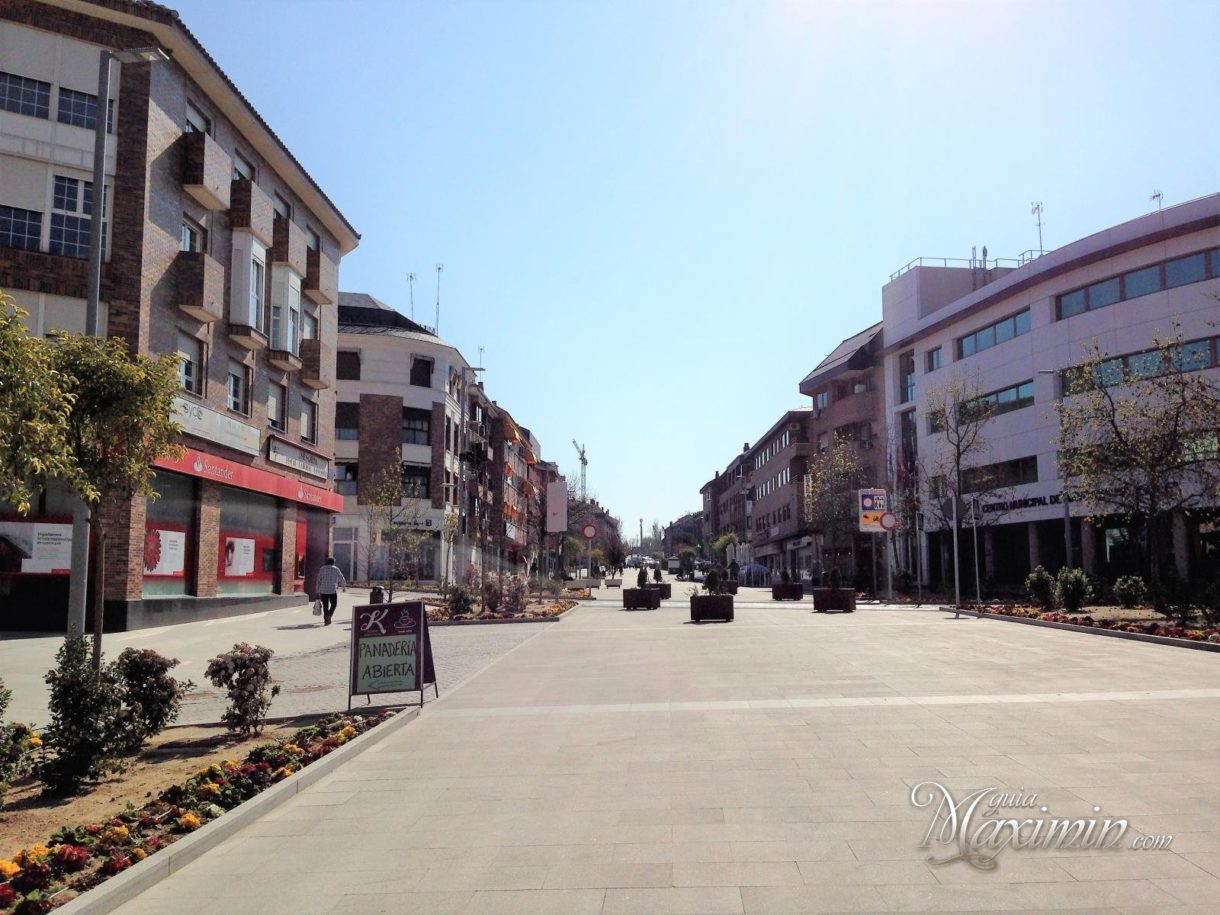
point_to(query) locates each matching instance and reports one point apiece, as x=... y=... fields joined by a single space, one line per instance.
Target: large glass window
x=417 y=481
x=416 y=426
x=258 y=283
x=277 y=402
x=1194 y=268
x=1104 y=293
x=906 y=377
x=346 y=478
x=1142 y=282
x=238 y=385
x=190 y=363
x=72 y=209
x=309 y=420
x=421 y=372
x=249 y=542
x=347 y=421
x=347 y=365
x=25 y=96
x=20 y=228
x=169 y=536
x=933 y=359
x=80 y=110
x=1185 y=270
x=993 y=334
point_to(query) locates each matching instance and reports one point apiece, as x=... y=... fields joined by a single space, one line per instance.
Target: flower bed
x=1163 y=630
x=441 y=615
x=77 y=858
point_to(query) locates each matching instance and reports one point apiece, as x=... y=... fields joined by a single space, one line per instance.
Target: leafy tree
x=34 y=410
x=393 y=511
x=1138 y=439
x=616 y=550
x=720 y=546
x=830 y=493
x=121 y=420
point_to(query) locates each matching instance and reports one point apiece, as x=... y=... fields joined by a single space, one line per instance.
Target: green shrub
x=151 y=698
x=515 y=594
x=1072 y=588
x=245 y=672
x=460 y=600
x=6 y=696
x=84 y=707
x=491 y=593
x=1130 y=590
x=1041 y=587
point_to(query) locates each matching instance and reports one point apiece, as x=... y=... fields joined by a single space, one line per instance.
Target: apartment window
x=347 y=422
x=416 y=426
x=243 y=168
x=993 y=334
x=292 y=331
x=906 y=377
x=280 y=204
x=417 y=481
x=347 y=365
x=192 y=237
x=309 y=420
x=25 y=96
x=258 y=286
x=277 y=401
x=196 y=120
x=421 y=372
x=821 y=400
x=238 y=386
x=309 y=326
x=190 y=363
x=80 y=110
x=932 y=359
x=346 y=478
x=312 y=240
x=72 y=209
x=20 y=228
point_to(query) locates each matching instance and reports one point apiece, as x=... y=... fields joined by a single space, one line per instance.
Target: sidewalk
x=632 y=763
x=310 y=662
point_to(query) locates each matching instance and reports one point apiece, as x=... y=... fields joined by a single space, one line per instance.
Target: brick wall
x=207 y=546
x=287 y=577
x=438 y=455
x=380 y=440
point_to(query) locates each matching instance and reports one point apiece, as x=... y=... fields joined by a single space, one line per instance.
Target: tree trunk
x=99 y=596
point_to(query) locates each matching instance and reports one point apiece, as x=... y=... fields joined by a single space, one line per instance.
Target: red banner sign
x=230 y=473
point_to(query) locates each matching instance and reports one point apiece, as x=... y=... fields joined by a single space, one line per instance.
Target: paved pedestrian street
x=622 y=762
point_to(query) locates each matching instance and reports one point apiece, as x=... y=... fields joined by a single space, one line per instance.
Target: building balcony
x=321 y=279
x=201 y=286
x=206 y=170
x=284 y=360
x=250 y=337
x=313 y=361
x=251 y=210
x=288 y=245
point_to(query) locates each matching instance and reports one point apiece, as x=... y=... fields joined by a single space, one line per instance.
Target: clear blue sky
x=658 y=216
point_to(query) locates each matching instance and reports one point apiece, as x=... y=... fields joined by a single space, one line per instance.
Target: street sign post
x=590 y=534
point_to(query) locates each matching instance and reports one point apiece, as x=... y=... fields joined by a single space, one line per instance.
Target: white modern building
x=1011 y=330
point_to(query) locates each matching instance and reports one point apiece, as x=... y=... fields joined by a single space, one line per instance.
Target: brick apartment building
x=727 y=507
x=779 y=536
x=219 y=247
x=687 y=531
x=515 y=510
x=400 y=394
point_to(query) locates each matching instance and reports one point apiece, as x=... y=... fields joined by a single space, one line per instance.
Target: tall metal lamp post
x=78 y=582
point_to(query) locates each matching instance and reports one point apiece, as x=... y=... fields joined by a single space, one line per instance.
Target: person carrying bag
x=326 y=588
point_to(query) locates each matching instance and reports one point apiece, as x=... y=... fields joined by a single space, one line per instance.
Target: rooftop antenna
x=1035 y=209
x=584 y=462
x=436 y=329
x=411 y=286
x=1157 y=196
x=480 y=357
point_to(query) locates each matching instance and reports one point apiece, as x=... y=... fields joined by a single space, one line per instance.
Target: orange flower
x=188 y=822
x=8 y=868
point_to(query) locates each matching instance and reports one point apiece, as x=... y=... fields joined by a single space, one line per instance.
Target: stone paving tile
x=628 y=762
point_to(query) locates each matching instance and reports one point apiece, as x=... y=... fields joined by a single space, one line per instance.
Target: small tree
x=616 y=551
x=449 y=532
x=686 y=560
x=120 y=422
x=830 y=494
x=34 y=409
x=1138 y=439
x=84 y=706
x=393 y=513
x=721 y=545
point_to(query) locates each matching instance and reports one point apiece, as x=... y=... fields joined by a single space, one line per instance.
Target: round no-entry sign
x=589 y=530
x=888 y=521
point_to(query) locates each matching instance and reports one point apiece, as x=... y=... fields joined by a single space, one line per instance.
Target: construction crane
x=584 y=462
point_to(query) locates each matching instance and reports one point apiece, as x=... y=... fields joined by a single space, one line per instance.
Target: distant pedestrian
x=326 y=588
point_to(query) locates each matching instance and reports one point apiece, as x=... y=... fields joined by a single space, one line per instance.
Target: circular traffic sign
x=590 y=531
x=888 y=521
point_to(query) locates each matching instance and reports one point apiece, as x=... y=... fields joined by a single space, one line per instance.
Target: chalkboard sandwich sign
x=391 y=651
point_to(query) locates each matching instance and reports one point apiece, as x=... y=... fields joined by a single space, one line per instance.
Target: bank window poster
x=238 y=557
x=390 y=650
x=164 y=551
x=35 y=548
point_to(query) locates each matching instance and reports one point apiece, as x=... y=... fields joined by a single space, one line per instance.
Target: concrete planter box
x=711 y=607
x=614 y=583
x=641 y=599
x=787 y=592
x=842 y=599
x=664 y=587
x=585 y=583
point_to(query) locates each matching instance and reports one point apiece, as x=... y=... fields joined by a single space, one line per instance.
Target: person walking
x=326 y=588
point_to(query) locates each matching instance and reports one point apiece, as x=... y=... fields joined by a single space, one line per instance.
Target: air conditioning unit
x=859 y=388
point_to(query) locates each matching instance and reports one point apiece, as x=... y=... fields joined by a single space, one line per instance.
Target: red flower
x=114 y=864
x=7 y=895
x=71 y=857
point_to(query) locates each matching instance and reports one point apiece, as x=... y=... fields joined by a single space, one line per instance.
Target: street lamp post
x=79 y=578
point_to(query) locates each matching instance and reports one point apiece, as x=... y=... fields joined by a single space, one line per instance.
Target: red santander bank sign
x=209 y=467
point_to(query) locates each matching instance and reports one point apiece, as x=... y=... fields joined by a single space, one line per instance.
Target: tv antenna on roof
x=436 y=329
x=411 y=287
x=1035 y=209
x=1157 y=196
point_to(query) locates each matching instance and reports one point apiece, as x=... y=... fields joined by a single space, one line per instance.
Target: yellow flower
x=29 y=855
x=35 y=741
x=209 y=789
x=116 y=834
x=349 y=732
x=283 y=771
x=188 y=822
x=8 y=868
x=292 y=748
x=139 y=854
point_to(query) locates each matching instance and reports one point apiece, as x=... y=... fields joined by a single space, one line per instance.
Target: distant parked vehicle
x=674 y=565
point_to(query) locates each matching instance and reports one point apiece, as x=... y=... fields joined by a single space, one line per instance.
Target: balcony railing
x=201 y=286
x=206 y=170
